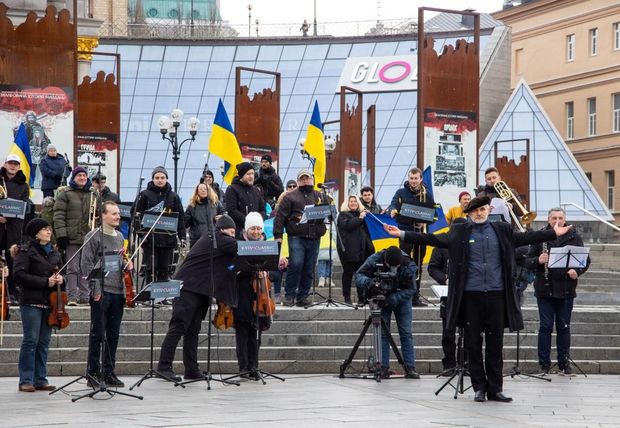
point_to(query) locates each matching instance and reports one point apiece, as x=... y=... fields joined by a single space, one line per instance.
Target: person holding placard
x=555 y=290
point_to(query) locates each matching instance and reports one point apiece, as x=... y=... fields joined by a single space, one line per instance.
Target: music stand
x=152 y=291
x=253 y=257
x=569 y=257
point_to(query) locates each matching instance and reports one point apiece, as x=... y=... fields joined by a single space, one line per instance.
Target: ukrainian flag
x=380 y=238
x=315 y=145
x=21 y=148
x=223 y=143
x=441 y=224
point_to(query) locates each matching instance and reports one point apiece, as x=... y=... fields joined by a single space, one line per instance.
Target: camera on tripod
x=384 y=283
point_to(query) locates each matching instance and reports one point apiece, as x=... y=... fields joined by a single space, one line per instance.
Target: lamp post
x=249 y=20
x=314 y=23
x=256 y=22
x=169 y=126
x=330 y=147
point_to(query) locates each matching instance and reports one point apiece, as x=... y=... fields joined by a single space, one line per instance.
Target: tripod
x=516 y=370
x=206 y=375
x=459 y=370
x=378 y=325
x=329 y=300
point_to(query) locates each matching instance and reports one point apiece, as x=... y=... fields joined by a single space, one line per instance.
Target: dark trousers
x=448 y=342
x=417 y=253
x=188 y=311
x=485 y=313
x=105 y=326
x=163 y=259
x=247 y=345
x=550 y=310
x=348 y=269
x=48 y=192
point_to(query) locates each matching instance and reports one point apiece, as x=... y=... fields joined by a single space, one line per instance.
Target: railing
x=613 y=226
x=186 y=30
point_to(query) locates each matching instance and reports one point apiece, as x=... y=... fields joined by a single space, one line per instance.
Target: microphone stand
x=207 y=375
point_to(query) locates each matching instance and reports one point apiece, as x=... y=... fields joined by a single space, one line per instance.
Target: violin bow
x=3 y=300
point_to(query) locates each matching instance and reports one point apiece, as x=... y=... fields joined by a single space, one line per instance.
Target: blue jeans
x=275 y=277
x=323 y=268
x=303 y=253
x=106 y=316
x=550 y=310
x=35 y=344
x=404 y=315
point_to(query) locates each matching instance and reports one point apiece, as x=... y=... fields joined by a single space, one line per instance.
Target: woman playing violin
x=35 y=271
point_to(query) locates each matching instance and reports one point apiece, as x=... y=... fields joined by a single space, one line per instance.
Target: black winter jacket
x=438 y=266
x=152 y=196
x=195 y=272
x=269 y=183
x=353 y=242
x=405 y=195
x=242 y=199
x=456 y=240
x=17 y=188
x=198 y=217
x=290 y=210
x=109 y=195
x=31 y=269
x=561 y=286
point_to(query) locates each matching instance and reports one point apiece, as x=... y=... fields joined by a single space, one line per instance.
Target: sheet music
x=440 y=290
x=578 y=257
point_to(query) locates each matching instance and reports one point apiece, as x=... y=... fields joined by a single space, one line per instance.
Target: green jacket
x=71 y=213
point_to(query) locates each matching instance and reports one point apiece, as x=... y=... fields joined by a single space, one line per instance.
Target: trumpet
x=92 y=211
x=507 y=195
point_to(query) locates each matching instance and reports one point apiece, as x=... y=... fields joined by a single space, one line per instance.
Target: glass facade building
x=156 y=78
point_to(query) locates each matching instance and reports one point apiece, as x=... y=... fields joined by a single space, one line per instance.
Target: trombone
x=92 y=211
x=507 y=195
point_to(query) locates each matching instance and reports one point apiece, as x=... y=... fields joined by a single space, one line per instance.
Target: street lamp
x=314 y=23
x=170 y=126
x=256 y=22
x=330 y=148
x=249 y=20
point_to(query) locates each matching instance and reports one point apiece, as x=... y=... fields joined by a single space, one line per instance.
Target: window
x=570 y=121
x=593 y=41
x=570 y=47
x=617 y=36
x=616 y=112
x=610 y=177
x=591 y=116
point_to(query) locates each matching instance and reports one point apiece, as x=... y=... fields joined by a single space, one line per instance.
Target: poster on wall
x=352 y=177
x=450 y=149
x=47 y=114
x=253 y=154
x=97 y=152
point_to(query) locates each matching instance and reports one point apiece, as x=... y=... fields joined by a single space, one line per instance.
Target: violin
x=58 y=317
x=223 y=319
x=130 y=294
x=264 y=304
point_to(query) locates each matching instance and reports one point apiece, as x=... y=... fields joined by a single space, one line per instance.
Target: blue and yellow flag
x=315 y=145
x=380 y=238
x=21 y=148
x=223 y=143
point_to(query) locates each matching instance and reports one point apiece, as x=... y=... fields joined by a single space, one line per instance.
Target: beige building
x=568 y=51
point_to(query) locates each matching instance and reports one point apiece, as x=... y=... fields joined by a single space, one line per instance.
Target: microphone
x=322 y=186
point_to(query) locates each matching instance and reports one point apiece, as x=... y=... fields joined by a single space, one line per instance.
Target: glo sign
x=380 y=74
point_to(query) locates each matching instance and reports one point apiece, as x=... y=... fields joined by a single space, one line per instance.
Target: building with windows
x=568 y=52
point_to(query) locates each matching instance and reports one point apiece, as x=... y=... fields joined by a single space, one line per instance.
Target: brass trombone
x=92 y=211
x=507 y=195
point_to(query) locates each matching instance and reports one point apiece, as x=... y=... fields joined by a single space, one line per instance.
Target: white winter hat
x=254 y=219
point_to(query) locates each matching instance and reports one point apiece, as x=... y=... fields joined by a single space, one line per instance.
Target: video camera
x=384 y=282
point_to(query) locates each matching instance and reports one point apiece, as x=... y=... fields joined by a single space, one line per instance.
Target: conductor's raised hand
x=392 y=230
x=561 y=230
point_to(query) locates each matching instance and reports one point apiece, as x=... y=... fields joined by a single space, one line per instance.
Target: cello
x=58 y=317
x=223 y=319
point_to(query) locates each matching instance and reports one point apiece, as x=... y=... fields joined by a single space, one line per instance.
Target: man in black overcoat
x=481 y=293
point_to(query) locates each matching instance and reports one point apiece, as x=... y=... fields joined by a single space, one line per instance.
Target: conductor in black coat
x=481 y=292
x=190 y=308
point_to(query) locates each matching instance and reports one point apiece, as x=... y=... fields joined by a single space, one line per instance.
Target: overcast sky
x=294 y=11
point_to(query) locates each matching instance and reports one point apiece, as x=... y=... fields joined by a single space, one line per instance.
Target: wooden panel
x=257 y=118
x=38 y=52
x=100 y=104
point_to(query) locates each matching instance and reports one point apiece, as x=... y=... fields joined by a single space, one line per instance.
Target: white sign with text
x=380 y=74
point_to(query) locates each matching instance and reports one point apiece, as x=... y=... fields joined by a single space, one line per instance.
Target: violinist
x=106 y=302
x=190 y=308
x=35 y=271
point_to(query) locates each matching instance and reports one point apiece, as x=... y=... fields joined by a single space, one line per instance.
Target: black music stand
x=253 y=257
x=164 y=289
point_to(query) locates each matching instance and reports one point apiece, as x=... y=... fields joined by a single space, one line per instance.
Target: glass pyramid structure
x=556 y=178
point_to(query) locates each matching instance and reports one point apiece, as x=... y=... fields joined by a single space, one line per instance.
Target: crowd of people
x=476 y=259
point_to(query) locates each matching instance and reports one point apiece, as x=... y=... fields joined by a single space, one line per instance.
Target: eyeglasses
x=291 y=186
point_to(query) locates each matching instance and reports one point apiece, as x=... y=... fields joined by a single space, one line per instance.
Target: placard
x=417 y=212
x=257 y=248
x=315 y=212
x=166 y=223
x=12 y=208
x=125 y=210
x=165 y=289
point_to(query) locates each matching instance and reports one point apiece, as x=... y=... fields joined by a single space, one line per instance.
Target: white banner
x=380 y=74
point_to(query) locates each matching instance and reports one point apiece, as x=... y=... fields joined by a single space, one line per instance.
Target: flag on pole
x=21 y=148
x=223 y=143
x=315 y=145
x=379 y=237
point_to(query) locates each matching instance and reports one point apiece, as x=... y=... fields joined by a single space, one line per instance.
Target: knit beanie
x=243 y=168
x=35 y=225
x=159 y=169
x=254 y=219
x=77 y=170
x=267 y=158
x=225 y=222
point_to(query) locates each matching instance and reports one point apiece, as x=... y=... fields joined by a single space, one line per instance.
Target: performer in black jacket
x=555 y=293
x=242 y=197
x=159 y=192
x=268 y=181
x=481 y=292
x=190 y=308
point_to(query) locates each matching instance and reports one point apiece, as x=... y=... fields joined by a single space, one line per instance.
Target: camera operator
x=388 y=277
